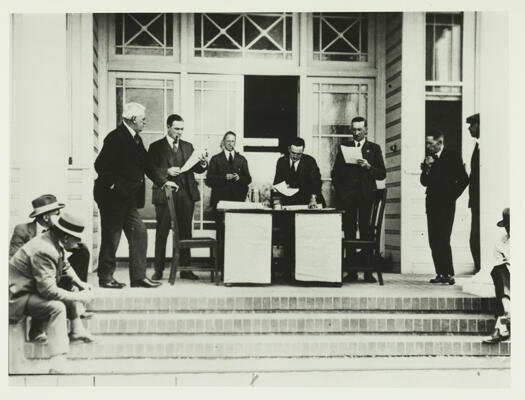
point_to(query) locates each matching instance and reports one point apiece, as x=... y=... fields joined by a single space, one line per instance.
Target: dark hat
x=70 y=224
x=506 y=218
x=45 y=203
x=473 y=119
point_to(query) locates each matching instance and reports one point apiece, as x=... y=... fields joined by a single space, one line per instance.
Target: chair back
x=376 y=214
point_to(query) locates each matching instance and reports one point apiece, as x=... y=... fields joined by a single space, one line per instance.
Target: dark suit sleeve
x=461 y=176
x=338 y=169
x=106 y=162
x=215 y=178
x=278 y=178
x=158 y=175
x=17 y=240
x=244 y=176
x=377 y=168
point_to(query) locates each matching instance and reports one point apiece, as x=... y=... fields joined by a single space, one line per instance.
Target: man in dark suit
x=34 y=271
x=44 y=208
x=444 y=176
x=355 y=184
x=300 y=171
x=228 y=175
x=167 y=156
x=473 y=191
x=119 y=191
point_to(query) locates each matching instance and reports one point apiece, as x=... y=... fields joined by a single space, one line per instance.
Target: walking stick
x=175 y=261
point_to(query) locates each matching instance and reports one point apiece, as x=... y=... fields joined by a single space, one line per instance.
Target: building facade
x=267 y=77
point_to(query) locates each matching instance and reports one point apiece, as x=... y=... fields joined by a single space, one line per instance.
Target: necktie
x=230 y=158
x=292 y=168
x=357 y=144
x=138 y=140
x=175 y=146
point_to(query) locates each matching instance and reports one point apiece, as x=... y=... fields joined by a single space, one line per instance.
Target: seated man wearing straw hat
x=34 y=271
x=44 y=208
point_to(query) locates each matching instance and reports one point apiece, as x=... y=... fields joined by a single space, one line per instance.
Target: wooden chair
x=193 y=243
x=370 y=247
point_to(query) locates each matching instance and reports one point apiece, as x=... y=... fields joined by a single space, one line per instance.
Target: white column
x=39 y=111
x=495 y=140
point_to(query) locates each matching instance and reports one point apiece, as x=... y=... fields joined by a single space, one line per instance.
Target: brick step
x=291 y=322
x=237 y=300
x=264 y=346
x=156 y=367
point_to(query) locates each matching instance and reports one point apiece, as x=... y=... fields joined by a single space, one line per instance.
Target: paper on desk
x=351 y=154
x=240 y=205
x=284 y=189
x=190 y=162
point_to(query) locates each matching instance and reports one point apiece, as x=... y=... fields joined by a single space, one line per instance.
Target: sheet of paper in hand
x=351 y=154
x=285 y=190
x=193 y=160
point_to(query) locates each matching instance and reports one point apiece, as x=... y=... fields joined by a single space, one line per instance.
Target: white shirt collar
x=438 y=154
x=227 y=153
x=171 y=140
x=294 y=163
x=133 y=133
x=361 y=142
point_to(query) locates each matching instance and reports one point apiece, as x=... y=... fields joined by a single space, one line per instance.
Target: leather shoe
x=369 y=278
x=112 y=284
x=38 y=337
x=437 y=279
x=496 y=337
x=83 y=337
x=145 y=283
x=449 y=280
x=188 y=275
x=351 y=277
x=157 y=276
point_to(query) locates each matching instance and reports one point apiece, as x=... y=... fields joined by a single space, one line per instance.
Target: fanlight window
x=267 y=35
x=144 y=34
x=340 y=37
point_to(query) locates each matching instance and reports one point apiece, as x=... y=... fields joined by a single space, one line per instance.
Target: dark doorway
x=270 y=110
x=445 y=116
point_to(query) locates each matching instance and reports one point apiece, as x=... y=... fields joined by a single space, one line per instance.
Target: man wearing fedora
x=119 y=192
x=34 y=272
x=44 y=208
x=501 y=278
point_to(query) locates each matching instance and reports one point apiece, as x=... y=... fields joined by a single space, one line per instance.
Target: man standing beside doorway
x=167 y=156
x=473 y=191
x=119 y=191
x=354 y=186
x=444 y=176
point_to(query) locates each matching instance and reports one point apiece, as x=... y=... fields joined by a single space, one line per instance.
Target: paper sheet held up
x=351 y=154
x=283 y=188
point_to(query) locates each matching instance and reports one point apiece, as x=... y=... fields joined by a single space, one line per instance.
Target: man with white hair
x=119 y=191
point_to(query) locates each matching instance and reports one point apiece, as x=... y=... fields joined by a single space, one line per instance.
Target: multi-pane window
x=334 y=106
x=262 y=35
x=443 y=55
x=340 y=37
x=144 y=34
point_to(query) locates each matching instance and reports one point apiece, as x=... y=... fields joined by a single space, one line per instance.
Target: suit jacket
x=222 y=189
x=352 y=180
x=307 y=179
x=446 y=180
x=122 y=162
x=473 y=189
x=22 y=234
x=36 y=268
x=161 y=158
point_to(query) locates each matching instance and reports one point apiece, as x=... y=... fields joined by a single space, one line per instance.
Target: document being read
x=194 y=159
x=351 y=154
x=284 y=189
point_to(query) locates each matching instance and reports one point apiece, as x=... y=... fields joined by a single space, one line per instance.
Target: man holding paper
x=175 y=161
x=356 y=168
x=298 y=171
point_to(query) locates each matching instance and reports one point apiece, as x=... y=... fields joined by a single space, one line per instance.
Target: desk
x=245 y=244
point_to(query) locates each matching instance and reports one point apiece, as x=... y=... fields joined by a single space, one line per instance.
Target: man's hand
x=229 y=177
x=84 y=285
x=202 y=160
x=427 y=164
x=363 y=163
x=172 y=185
x=236 y=177
x=174 y=171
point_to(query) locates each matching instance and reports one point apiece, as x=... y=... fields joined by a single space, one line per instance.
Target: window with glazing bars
x=261 y=35
x=340 y=37
x=144 y=34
